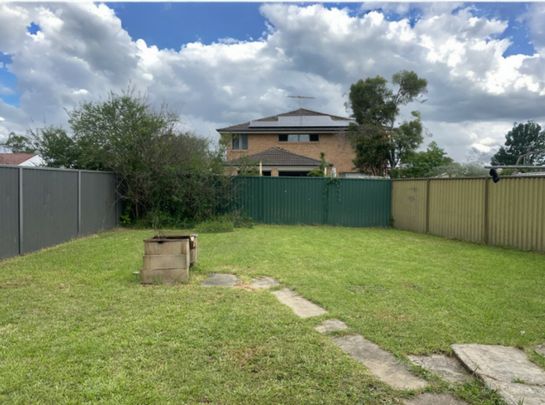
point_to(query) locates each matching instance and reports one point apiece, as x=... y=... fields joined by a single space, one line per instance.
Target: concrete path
x=331 y=325
x=505 y=369
x=264 y=283
x=434 y=399
x=379 y=362
x=300 y=306
x=220 y=280
x=447 y=368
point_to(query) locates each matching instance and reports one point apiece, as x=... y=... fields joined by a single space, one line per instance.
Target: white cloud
x=81 y=52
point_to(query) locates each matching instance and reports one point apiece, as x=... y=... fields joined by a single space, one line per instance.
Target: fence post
x=21 y=211
x=79 y=203
x=485 y=212
x=428 y=205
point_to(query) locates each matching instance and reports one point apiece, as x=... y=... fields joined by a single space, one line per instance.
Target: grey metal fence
x=41 y=207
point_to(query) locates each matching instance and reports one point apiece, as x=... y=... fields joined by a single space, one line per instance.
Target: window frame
x=285 y=138
x=239 y=142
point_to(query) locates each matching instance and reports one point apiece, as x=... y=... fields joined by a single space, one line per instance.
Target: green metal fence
x=314 y=200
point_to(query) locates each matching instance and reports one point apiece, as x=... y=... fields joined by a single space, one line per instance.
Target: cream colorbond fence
x=509 y=213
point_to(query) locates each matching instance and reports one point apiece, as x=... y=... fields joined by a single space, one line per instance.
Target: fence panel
x=248 y=194
x=294 y=200
x=510 y=213
x=98 y=202
x=50 y=207
x=9 y=211
x=41 y=207
x=517 y=213
x=409 y=204
x=456 y=209
x=311 y=200
x=357 y=202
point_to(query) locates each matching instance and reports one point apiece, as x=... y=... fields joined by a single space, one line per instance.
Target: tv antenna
x=301 y=98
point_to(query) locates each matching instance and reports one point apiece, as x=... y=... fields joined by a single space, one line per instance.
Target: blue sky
x=171 y=25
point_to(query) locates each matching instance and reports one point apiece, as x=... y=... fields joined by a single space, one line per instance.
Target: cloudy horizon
x=485 y=64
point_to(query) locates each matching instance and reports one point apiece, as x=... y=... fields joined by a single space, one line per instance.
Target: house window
x=240 y=141
x=298 y=138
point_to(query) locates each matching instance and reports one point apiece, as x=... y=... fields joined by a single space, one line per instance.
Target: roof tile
x=277 y=157
x=14 y=159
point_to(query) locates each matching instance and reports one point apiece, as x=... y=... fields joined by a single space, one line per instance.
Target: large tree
x=524 y=141
x=379 y=144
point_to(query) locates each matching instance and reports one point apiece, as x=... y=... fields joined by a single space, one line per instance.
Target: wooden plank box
x=166 y=260
x=170 y=245
x=164 y=276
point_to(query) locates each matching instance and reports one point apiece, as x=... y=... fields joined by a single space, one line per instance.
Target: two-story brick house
x=290 y=144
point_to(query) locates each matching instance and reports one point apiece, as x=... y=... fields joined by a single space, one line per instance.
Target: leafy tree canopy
x=375 y=105
x=524 y=141
x=424 y=164
x=19 y=143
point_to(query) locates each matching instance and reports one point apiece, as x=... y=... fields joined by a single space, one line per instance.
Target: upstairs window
x=298 y=138
x=239 y=142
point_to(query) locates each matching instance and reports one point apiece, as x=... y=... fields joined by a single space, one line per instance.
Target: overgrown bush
x=166 y=178
x=216 y=225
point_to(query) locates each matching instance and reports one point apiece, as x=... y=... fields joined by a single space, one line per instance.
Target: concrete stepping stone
x=331 y=325
x=506 y=370
x=447 y=368
x=434 y=399
x=540 y=350
x=300 y=306
x=220 y=280
x=379 y=362
x=264 y=283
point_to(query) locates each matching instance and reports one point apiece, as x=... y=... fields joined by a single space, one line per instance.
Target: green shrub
x=216 y=225
x=241 y=220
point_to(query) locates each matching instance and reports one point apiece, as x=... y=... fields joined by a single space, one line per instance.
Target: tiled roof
x=14 y=159
x=277 y=157
x=318 y=123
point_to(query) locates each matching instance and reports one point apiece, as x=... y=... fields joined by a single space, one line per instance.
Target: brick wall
x=336 y=147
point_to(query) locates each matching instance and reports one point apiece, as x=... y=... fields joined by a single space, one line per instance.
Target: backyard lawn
x=76 y=326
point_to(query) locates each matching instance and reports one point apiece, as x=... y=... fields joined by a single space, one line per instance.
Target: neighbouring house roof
x=277 y=157
x=301 y=120
x=14 y=159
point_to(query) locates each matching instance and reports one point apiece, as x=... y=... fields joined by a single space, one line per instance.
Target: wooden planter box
x=167 y=259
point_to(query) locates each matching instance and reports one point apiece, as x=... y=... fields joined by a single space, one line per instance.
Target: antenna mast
x=301 y=98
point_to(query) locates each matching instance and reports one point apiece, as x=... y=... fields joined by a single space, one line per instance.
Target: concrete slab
x=448 y=368
x=379 y=362
x=331 y=325
x=540 y=350
x=501 y=363
x=264 y=283
x=505 y=369
x=301 y=307
x=220 y=280
x=518 y=394
x=434 y=399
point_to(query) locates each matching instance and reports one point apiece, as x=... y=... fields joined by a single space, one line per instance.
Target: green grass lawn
x=75 y=325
